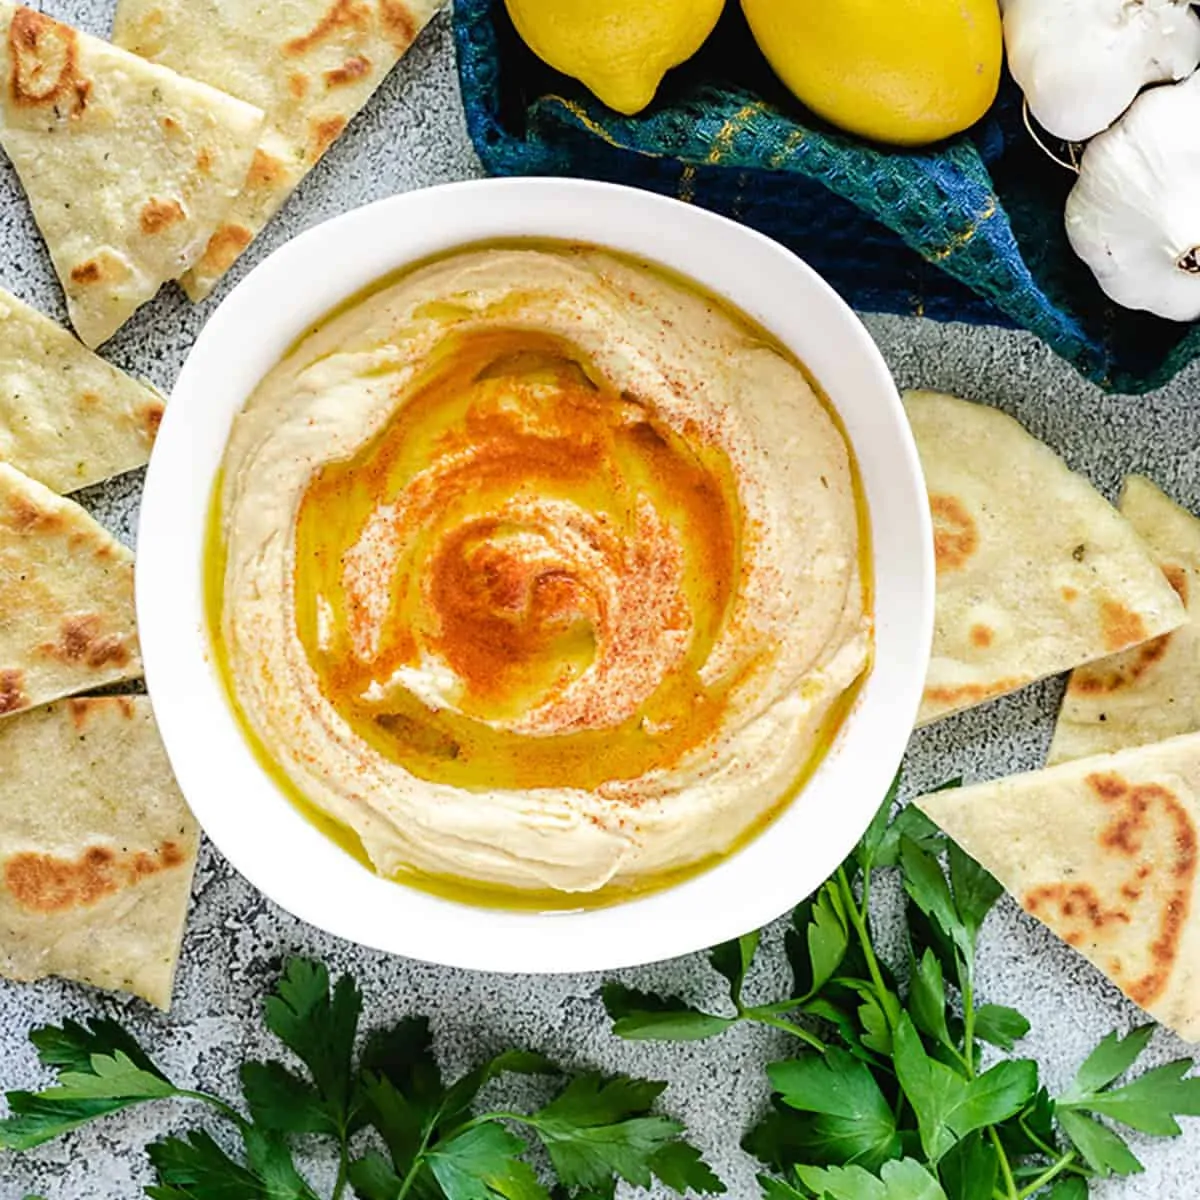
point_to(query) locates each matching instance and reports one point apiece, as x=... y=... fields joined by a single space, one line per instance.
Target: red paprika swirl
x=541 y=572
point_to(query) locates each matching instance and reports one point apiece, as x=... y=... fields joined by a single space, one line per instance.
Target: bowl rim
x=245 y=814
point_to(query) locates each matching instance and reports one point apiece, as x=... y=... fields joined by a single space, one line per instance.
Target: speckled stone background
x=411 y=136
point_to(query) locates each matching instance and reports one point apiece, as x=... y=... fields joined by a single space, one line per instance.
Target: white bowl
x=240 y=808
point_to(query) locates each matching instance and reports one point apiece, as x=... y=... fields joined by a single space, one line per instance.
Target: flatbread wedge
x=66 y=599
x=129 y=168
x=1036 y=571
x=1104 y=852
x=67 y=418
x=97 y=848
x=310 y=65
x=1152 y=692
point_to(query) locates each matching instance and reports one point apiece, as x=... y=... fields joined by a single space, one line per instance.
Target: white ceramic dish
x=260 y=831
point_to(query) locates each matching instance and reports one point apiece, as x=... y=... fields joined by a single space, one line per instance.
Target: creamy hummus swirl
x=541 y=571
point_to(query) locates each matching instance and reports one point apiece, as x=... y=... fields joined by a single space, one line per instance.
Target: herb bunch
x=889 y=1097
x=432 y=1143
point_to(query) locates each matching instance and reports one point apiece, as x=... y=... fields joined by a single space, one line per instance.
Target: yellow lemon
x=906 y=72
x=620 y=49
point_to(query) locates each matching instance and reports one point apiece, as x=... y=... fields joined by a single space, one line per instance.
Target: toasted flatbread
x=1036 y=571
x=1152 y=692
x=1104 y=852
x=97 y=848
x=129 y=167
x=67 y=418
x=310 y=65
x=66 y=599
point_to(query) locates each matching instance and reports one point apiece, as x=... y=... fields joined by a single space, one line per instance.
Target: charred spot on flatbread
x=355 y=67
x=324 y=133
x=12 y=694
x=1104 y=678
x=955 y=535
x=1120 y=626
x=82 y=641
x=1161 y=873
x=971 y=693
x=45 y=883
x=224 y=248
x=157 y=215
x=398 y=23
x=102 y=267
x=342 y=14
x=150 y=418
x=1177 y=577
x=982 y=636
x=24 y=516
x=83 y=709
x=44 y=65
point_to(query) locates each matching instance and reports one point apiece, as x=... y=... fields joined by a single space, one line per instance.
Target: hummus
x=540 y=571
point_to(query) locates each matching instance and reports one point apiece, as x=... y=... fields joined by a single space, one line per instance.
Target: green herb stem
x=968 y=995
x=1047 y=1176
x=214 y=1102
x=763 y=1017
x=1005 y=1167
x=858 y=918
x=343 y=1171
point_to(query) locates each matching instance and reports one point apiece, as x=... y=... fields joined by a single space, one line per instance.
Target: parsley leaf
x=949 y=1107
x=319 y=1026
x=901 y=1180
x=1150 y=1103
x=195 y=1166
x=970 y=1168
x=484 y=1163
x=600 y=1127
x=642 y=1016
x=101 y=1071
x=1102 y=1149
x=1110 y=1060
x=851 y=1120
x=733 y=960
x=927 y=1000
x=1000 y=1026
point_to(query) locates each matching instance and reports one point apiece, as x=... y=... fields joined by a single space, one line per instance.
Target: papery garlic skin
x=1134 y=214
x=1080 y=63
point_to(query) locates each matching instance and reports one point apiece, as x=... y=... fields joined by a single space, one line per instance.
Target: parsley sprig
x=430 y=1142
x=891 y=1096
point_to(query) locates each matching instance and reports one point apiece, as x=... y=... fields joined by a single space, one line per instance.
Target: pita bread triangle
x=1037 y=572
x=97 y=848
x=1151 y=692
x=66 y=599
x=1104 y=851
x=67 y=418
x=310 y=65
x=128 y=167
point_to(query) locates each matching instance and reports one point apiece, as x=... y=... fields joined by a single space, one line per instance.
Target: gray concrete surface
x=411 y=136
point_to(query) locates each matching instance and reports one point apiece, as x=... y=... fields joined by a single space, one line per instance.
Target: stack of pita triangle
x=1103 y=846
x=310 y=65
x=1106 y=852
x=67 y=418
x=1037 y=572
x=97 y=847
x=1153 y=691
x=129 y=167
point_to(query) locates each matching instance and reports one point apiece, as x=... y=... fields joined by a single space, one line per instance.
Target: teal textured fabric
x=968 y=230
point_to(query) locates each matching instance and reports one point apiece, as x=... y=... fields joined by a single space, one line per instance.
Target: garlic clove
x=1080 y=63
x=1134 y=214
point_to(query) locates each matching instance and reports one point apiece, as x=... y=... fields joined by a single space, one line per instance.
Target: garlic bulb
x=1134 y=214
x=1080 y=63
